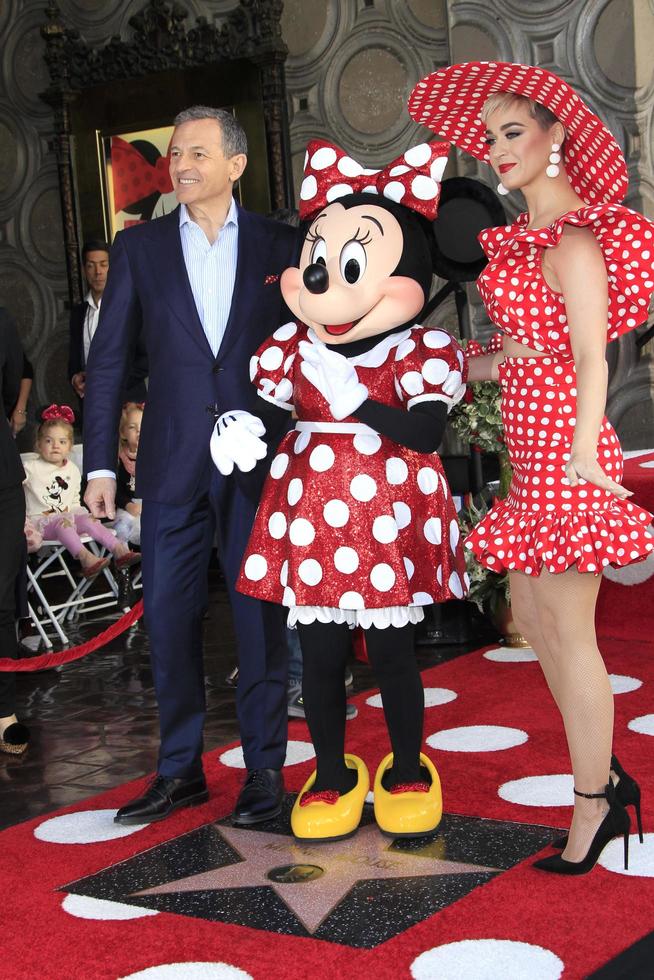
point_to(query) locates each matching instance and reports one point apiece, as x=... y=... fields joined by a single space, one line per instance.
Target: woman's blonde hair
x=504 y=100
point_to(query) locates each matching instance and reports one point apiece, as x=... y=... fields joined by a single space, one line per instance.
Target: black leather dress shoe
x=260 y=798
x=164 y=795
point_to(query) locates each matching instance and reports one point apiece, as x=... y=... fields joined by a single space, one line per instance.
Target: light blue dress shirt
x=211 y=271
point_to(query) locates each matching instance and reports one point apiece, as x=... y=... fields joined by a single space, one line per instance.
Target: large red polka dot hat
x=449 y=102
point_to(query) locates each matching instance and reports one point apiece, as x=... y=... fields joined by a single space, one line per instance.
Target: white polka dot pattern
x=449 y=101
x=414 y=178
x=544 y=521
x=519 y=300
x=352 y=522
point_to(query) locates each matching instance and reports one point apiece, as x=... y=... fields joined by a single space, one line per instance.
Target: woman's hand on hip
x=586 y=467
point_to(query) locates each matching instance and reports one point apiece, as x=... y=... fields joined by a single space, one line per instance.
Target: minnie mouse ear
x=466 y=208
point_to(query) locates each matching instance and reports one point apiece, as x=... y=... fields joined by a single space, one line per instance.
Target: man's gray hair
x=233 y=135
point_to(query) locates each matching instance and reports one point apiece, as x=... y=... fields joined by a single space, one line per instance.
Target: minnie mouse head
x=366 y=263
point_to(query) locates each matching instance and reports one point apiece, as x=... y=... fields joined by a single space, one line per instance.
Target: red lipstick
x=505 y=167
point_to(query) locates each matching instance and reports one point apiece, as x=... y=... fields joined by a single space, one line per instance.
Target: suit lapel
x=170 y=272
x=250 y=264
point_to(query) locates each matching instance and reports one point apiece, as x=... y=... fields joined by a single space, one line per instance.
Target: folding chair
x=49 y=562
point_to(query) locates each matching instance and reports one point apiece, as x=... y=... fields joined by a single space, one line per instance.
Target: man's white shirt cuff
x=94 y=474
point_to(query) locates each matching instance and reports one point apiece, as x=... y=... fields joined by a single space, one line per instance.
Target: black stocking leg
x=325 y=648
x=393 y=660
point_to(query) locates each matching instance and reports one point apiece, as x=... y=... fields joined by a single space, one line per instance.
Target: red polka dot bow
x=134 y=176
x=413 y=179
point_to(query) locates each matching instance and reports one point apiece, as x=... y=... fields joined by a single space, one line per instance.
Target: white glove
x=335 y=378
x=454 y=387
x=236 y=439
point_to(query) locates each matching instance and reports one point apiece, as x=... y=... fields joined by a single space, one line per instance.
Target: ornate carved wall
x=33 y=283
x=351 y=65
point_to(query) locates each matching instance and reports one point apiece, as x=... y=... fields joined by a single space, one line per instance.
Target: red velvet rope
x=48 y=660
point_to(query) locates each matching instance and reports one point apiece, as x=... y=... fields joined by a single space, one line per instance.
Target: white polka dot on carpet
x=296 y=752
x=83 y=907
x=83 y=827
x=511 y=655
x=189 y=971
x=433 y=697
x=643 y=725
x=477 y=738
x=623 y=684
x=554 y=790
x=641 y=857
x=487 y=959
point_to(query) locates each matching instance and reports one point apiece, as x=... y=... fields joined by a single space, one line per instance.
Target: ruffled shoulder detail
x=626 y=239
x=492 y=239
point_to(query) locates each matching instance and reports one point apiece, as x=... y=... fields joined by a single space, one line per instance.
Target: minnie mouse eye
x=319 y=252
x=353 y=262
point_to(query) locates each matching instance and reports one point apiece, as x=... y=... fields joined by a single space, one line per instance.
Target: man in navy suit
x=201 y=285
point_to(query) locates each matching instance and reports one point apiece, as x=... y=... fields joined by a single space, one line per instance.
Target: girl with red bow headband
x=572 y=272
x=356 y=526
x=52 y=496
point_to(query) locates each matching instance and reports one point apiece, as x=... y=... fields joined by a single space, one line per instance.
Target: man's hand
x=100 y=497
x=78 y=382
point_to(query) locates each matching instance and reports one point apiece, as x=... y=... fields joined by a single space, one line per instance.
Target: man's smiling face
x=199 y=169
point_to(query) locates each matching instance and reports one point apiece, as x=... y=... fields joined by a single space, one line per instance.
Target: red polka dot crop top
x=519 y=301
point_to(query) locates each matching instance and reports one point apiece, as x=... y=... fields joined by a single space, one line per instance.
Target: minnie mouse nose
x=316 y=278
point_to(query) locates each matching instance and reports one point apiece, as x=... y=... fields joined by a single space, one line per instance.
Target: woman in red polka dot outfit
x=573 y=272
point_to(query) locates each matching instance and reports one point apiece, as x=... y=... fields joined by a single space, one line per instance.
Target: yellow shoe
x=326 y=818
x=409 y=813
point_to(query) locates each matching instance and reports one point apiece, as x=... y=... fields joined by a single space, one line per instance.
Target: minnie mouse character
x=356 y=526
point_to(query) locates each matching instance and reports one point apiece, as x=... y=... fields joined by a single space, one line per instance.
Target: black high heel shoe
x=616 y=823
x=627 y=793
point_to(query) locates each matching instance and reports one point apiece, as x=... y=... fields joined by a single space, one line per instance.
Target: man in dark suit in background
x=201 y=284
x=13 y=736
x=84 y=319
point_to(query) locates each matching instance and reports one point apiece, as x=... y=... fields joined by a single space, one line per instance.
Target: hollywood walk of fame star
x=314 y=895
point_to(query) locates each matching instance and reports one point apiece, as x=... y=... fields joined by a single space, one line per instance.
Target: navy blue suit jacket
x=148 y=291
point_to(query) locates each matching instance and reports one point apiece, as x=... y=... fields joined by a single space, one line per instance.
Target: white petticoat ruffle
x=396 y=616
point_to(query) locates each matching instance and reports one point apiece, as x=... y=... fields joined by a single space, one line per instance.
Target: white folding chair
x=49 y=562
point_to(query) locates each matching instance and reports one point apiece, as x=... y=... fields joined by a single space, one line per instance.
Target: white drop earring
x=501 y=189
x=555 y=159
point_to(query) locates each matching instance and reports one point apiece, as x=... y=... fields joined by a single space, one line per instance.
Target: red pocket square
x=269 y=280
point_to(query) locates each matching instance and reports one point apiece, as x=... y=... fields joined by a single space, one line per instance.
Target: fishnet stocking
x=557 y=615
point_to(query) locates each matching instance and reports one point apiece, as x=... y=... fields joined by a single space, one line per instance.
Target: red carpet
x=585 y=921
x=626 y=595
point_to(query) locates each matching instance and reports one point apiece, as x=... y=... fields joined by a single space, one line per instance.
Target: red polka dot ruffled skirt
x=544 y=522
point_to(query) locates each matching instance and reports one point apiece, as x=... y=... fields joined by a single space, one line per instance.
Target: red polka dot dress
x=353 y=527
x=544 y=522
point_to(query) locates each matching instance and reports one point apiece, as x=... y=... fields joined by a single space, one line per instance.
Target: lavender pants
x=66 y=528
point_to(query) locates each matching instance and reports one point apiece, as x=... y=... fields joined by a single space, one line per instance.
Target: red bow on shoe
x=329 y=796
x=413 y=179
x=58 y=412
x=134 y=177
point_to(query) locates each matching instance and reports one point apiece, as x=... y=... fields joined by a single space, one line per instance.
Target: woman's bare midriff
x=512 y=348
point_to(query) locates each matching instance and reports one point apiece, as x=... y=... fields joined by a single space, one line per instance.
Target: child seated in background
x=52 y=496
x=127 y=525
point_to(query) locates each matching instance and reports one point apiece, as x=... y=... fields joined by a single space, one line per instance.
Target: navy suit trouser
x=176 y=544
